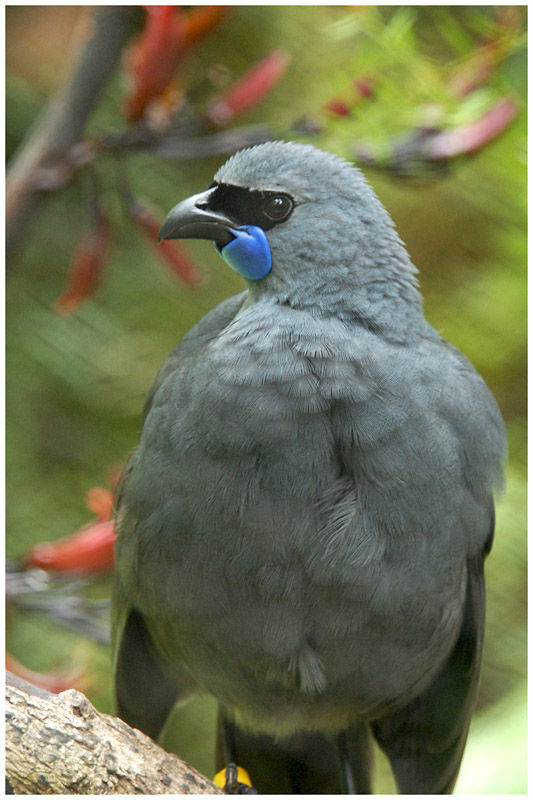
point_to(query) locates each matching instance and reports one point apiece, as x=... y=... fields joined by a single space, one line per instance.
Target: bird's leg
x=228 y=778
x=345 y=766
x=232 y=783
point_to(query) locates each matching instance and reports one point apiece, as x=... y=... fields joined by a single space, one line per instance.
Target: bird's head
x=304 y=228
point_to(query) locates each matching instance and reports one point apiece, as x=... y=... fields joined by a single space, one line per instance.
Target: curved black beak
x=192 y=219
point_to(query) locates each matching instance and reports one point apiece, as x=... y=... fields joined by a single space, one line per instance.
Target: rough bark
x=60 y=744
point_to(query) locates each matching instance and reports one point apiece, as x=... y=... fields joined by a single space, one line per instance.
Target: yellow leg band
x=242 y=777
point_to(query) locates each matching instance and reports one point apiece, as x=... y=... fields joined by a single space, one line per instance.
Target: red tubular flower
x=89 y=550
x=364 y=87
x=249 y=89
x=198 y=21
x=100 y=502
x=179 y=261
x=172 y=253
x=471 y=137
x=153 y=59
x=86 y=265
x=337 y=107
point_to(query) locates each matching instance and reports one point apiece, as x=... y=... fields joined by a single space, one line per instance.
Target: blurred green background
x=75 y=385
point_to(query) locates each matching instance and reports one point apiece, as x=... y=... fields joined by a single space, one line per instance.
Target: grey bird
x=303 y=526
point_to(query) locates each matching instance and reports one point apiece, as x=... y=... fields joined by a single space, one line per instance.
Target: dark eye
x=278 y=207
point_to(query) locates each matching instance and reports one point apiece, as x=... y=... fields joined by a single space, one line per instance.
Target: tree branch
x=60 y=744
x=63 y=121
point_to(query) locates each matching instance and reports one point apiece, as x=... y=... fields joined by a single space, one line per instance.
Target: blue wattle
x=249 y=253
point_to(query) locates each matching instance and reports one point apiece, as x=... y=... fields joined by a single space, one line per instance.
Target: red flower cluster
x=86 y=265
x=152 y=61
x=88 y=550
x=172 y=253
x=249 y=89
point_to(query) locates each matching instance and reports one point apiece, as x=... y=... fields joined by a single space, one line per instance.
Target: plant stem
x=61 y=125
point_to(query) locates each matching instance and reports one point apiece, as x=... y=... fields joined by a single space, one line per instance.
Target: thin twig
x=64 y=119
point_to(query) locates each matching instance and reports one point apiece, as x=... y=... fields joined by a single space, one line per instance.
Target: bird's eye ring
x=278 y=207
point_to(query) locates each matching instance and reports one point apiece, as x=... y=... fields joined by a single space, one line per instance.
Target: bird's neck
x=382 y=298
